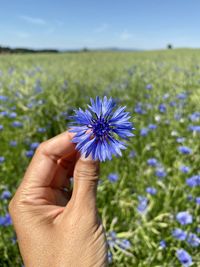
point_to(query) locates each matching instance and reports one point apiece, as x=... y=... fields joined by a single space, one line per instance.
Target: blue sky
x=63 y=24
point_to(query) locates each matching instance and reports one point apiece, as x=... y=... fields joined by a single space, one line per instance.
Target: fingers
x=44 y=164
x=86 y=174
x=64 y=171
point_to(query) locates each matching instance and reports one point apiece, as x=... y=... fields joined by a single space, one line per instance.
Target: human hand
x=54 y=227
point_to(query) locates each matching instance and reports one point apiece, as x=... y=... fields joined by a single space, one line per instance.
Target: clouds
x=32 y=20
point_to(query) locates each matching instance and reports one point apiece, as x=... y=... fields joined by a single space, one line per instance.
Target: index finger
x=42 y=167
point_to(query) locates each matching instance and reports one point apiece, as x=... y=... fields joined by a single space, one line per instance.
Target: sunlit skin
x=54 y=226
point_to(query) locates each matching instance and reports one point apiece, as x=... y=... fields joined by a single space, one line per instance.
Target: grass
x=42 y=91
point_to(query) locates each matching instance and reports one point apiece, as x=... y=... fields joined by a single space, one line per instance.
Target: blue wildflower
x=195 y=116
x=149 y=86
x=181 y=96
x=142 y=205
x=13 y=143
x=184 y=169
x=34 y=145
x=125 y=244
x=41 y=130
x=2 y=159
x=3 y=98
x=151 y=190
x=113 y=177
x=12 y=115
x=184 y=217
x=163 y=244
x=198 y=200
x=132 y=154
x=110 y=258
x=179 y=234
x=184 y=150
x=180 y=140
x=5 y=220
x=6 y=194
x=152 y=126
x=29 y=153
x=1 y=127
x=17 y=124
x=193 y=181
x=98 y=127
x=4 y=113
x=139 y=109
x=194 y=128
x=193 y=240
x=162 y=108
x=160 y=172
x=184 y=257
x=144 y=131
x=152 y=162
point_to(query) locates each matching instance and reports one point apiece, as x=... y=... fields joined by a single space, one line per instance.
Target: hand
x=54 y=227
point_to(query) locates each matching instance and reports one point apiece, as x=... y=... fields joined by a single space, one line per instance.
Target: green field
x=161 y=89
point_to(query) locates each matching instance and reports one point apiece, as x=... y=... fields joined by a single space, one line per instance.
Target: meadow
x=149 y=199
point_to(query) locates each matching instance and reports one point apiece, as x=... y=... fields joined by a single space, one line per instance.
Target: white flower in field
x=174 y=133
x=157 y=118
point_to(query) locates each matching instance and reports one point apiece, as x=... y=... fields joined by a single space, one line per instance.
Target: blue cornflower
x=4 y=113
x=193 y=181
x=3 y=98
x=180 y=139
x=98 y=128
x=132 y=154
x=184 y=257
x=2 y=159
x=160 y=172
x=149 y=86
x=6 y=194
x=1 y=127
x=125 y=244
x=144 y=131
x=113 y=177
x=184 y=169
x=152 y=126
x=142 y=205
x=29 y=153
x=5 y=220
x=152 y=162
x=34 y=145
x=151 y=190
x=184 y=150
x=17 y=124
x=193 y=240
x=181 y=96
x=195 y=116
x=139 y=109
x=194 y=128
x=179 y=234
x=198 y=200
x=13 y=143
x=12 y=115
x=162 y=108
x=163 y=244
x=41 y=130
x=184 y=217
x=110 y=258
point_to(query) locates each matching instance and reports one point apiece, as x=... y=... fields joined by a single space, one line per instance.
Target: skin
x=54 y=226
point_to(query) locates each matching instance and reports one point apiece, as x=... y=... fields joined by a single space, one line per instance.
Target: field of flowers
x=149 y=199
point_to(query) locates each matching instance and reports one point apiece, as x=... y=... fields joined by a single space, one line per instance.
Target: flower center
x=100 y=127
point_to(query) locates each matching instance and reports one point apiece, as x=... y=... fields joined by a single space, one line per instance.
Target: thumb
x=86 y=175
